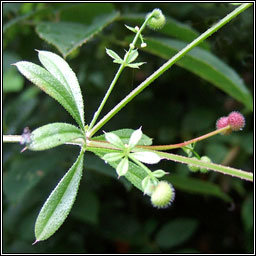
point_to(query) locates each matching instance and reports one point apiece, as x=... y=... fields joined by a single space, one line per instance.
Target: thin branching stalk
x=167 y=65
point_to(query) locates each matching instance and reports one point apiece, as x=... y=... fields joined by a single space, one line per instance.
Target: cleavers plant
x=126 y=150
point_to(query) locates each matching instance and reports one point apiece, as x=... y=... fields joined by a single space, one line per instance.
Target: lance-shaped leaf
x=113 y=55
x=133 y=56
x=135 y=175
x=59 y=203
x=135 y=138
x=113 y=157
x=53 y=135
x=114 y=140
x=123 y=167
x=60 y=69
x=50 y=85
x=146 y=157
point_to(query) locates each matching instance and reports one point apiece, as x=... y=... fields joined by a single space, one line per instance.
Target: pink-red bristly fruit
x=236 y=121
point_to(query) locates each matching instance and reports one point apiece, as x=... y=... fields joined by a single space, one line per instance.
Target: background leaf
x=205 y=65
x=172 y=28
x=176 y=232
x=73 y=31
x=196 y=186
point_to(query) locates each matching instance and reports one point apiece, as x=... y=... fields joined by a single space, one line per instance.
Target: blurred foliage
x=111 y=216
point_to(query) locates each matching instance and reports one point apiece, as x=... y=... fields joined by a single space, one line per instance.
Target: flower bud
x=143 y=45
x=157 y=21
x=163 y=195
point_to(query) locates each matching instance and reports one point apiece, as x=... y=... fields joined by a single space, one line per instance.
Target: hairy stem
x=183 y=144
x=211 y=166
x=12 y=138
x=167 y=65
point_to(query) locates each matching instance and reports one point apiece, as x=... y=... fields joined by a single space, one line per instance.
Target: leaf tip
x=36 y=242
x=23 y=149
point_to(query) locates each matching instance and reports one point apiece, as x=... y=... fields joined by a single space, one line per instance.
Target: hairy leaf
x=50 y=85
x=59 y=203
x=135 y=174
x=60 y=69
x=53 y=135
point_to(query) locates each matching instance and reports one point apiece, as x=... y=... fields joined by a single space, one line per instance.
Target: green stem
x=141 y=165
x=97 y=113
x=167 y=65
x=122 y=66
x=11 y=138
x=215 y=167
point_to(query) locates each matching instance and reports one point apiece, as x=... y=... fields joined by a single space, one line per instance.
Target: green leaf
x=113 y=55
x=205 y=65
x=176 y=232
x=135 y=138
x=53 y=135
x=146 y=157
x=135 y=175
x=12 y=81
x=25 y=173
x=18 y=20
x=124 y=135
x=112 y=157
x=114 y=140
x=59 y=203
x=159 y=173
x=172 y=28
x=247 y=213
x=60 y=69
x=87 y=206
x=50 y=85
x=196 y=186
x=68 y=36
x=135 y=65
x=131 y=28
x=122 y=167
x=132 y=56
x=118 y=61
x=147 y=186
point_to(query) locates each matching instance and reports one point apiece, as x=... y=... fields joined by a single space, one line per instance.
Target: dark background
x=111 y=216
